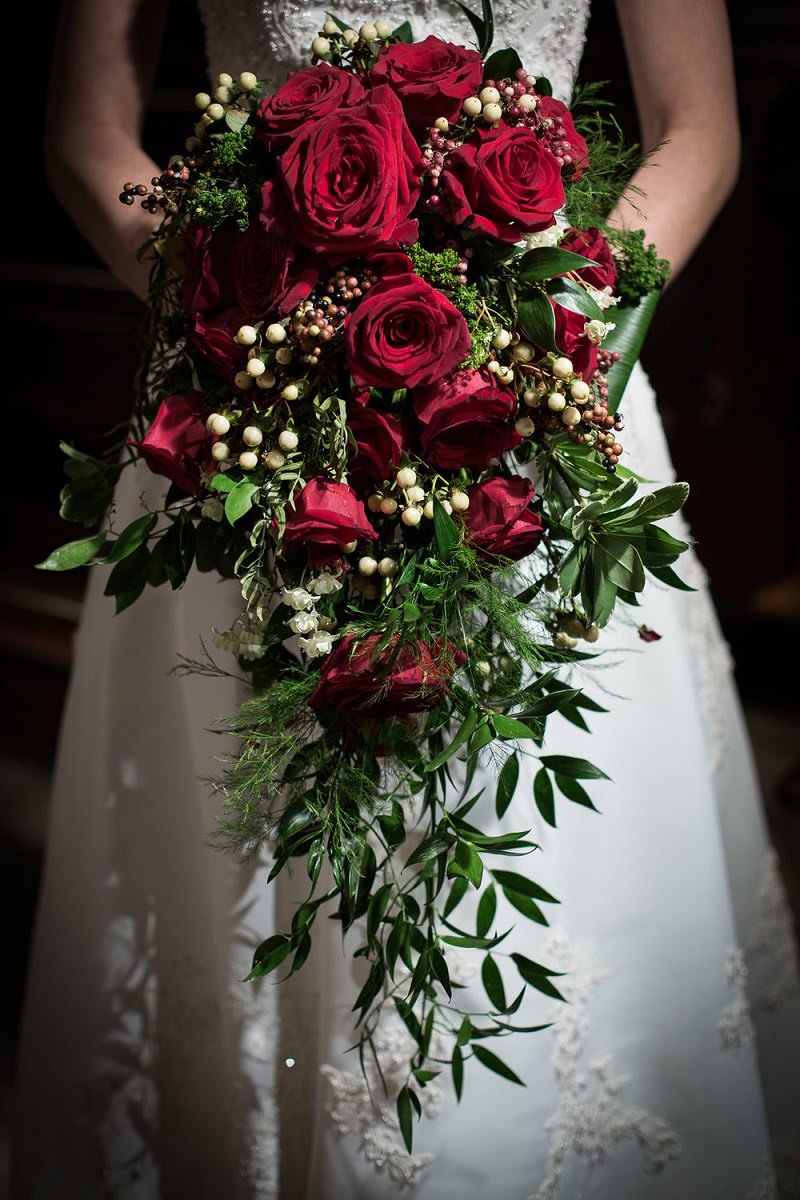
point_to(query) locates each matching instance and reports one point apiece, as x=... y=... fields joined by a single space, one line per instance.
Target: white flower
x=547 y=237
x=603 y=298
x=243 y=639
x=318 y=644
x=597 y=330
x=324 y=584
x=297 y=598
x=304 y=622
x=213 y=508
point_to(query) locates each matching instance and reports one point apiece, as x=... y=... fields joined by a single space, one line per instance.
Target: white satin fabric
x=148 y=1070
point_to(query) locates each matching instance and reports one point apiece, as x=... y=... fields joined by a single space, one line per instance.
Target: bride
x=147 y=1069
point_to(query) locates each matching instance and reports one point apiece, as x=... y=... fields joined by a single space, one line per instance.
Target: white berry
x=220 y=451
x=374 y=502
x=276 y=334
x=388 y=506
x=288 y=439
x=556 y=402
x=252 y=436
x=274 y=460
x=406 y=477
x=248 y=460
x=416 y=494
x=501 y=339
x=492 y=113
x=247 y=81
x=246 y=335
x=265 y=381
x=428 y=510
x=243 y=381
x=562 y=368
x=202 y=100
x=472 y=107
x=348 y=547
x=524 y=426
x=387 y=567
x=411 y=516
x=368 y=33
x=218 y=424
x=523 y=352
x=579 y=390
x=255 y=367
x=571 y=415
x=215 y=111
x=489 y=95
x=367 y=565
x=290 y=392
x=321 y=47
x=459 y=501
x=383 y=29
x=224 y=79
x=330 y=27
x=283 y=355
x=526 y=102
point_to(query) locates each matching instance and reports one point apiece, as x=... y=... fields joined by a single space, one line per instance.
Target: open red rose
x=207 y=285
x=404 y=333
x=563 y=137
x=327 y=513
x=214 y=336
x=380 y=440
x=573 y=342
x=591 y=243
x=349 y=181
x=465 y=420
x=271 y=276
x=499 y=520
x=432 y=78
x=504 y=182
x=306 y=96
x=177 y=444
x=356 y=680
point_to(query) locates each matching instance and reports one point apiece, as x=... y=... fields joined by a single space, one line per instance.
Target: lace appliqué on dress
x=590 y=1118
x=272 y=37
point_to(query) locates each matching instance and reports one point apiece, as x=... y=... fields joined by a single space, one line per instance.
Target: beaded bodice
x=271 y=37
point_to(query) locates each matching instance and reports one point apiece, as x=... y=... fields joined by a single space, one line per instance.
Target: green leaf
x=445 y=530
x=510 y=727
x=493 y=983
x=571 y=567
x=472 y=943
x=464 y=733
x=536 y=977
x=482 y=736
x=618 y=559
x=457 y=1067
x=668 y=576
x=529 y=908
x=236 y=119
x=511 y=881
x=457 y=893
x=404 y=1117
x=74 y=554
x=545 y=262
x=222 y=482
x=573 y=768
x=464 y=1032
x=543 y=795
x=431 y=848
x=470 y=862
x=404 y=33
x=133 y=536
x=178 y=546
x=573 y=791
x=129 y=578
x=486 y=911
x=537 y=321
x=632 y=322
x=574 y=298
x=439 y=965
x=240 y=500
x=507 y=784
x=475 y=21
x=495 y=1064
x=501 y=65
x=269 y=955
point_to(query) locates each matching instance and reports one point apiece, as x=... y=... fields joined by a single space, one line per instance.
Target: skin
x=680 y=62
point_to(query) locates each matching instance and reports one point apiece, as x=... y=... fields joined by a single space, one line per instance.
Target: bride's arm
x=681 y=66
x=105 y=57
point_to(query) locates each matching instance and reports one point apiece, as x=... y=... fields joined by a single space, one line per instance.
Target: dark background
x=720 y=355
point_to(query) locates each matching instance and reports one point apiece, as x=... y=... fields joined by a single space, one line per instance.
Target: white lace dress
x=149 y=1070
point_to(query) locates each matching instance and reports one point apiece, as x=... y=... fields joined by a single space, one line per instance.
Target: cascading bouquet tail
x=380 y=375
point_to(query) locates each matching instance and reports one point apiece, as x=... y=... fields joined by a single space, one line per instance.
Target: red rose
x=499 y=519
x=432 y=79
x=306 y=96
x=504 y=183
x=573 y=342
x=214 y=336
x=354 y=679
x=349 y=181
x=380 y=439
x=465 y=420
x=207 y=285
x=177 y=444
x=591 y=243
x=271 y=276
x=327 y=513
x=404 y=333
x=562 y=136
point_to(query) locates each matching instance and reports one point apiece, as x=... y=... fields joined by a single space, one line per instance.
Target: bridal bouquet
x=386 y=344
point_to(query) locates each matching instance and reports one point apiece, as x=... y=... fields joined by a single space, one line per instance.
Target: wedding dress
x=148 y=1069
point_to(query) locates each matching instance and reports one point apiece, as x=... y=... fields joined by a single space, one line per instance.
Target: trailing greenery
x=639 y=269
